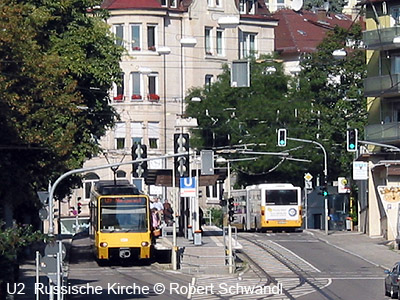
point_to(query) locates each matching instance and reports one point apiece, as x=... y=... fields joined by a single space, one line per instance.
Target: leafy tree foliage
x=334 y=87
x=246 y=118
x=318 y=105
x=57 y=62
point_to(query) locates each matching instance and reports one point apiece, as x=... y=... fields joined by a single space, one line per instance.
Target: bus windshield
x=123 y=214
x=281 y=197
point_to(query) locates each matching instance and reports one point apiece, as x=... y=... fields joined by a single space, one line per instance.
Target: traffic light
x=181 y=163
x=231 y=211
x=282 y=133
x=79 y=208
x=140 y=168
x=352 y=139
x=324 y=191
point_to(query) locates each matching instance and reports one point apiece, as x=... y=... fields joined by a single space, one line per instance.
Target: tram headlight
x=103 y=244
x=145 y=244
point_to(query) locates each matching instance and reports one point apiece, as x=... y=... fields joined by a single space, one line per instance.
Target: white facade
x=155 y=83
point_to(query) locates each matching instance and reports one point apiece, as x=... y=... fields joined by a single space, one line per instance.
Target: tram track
x=305 y=277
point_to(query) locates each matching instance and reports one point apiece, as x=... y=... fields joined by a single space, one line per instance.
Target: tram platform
x=205 y=254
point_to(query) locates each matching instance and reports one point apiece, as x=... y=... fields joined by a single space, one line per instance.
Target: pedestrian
x=168 y=213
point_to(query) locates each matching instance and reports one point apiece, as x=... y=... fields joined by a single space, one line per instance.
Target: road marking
x=298 y=257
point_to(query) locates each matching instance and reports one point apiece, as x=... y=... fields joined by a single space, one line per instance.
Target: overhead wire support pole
x=325 y=174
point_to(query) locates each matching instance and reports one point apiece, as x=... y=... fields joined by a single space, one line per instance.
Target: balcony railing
x=382 y=86
x=381 y=39
x=383 y=133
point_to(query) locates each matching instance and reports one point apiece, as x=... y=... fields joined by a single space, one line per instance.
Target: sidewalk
x=375 y=250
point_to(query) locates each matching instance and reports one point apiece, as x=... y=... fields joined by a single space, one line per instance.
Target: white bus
x=270 y=206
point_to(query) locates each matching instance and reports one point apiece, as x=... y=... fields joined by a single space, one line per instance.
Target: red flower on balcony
x=119 y=98
x=136 y=97
x=136 y=48
x=152 y=48
x=153 y=97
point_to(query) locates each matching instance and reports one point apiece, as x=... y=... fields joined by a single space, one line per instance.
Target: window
x=247 y=44
x=173 y=3
x=89 y=180
x=153 y=134
x=119 y=135
x=119 y=89
x=207 y=40
x=220 y=50
x=280 y=4
x=151 y=37
x=135 y=37
x=164 y=3
x=247 y=7
x=136 y=133
x=152 y=83
x=119 y=33
x=138 y=182
x=395 y=59
x=121 y=174
x=208 y=80
x=135 y=84
x=395 y=15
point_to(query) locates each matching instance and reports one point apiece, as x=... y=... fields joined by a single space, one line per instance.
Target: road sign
x=343 y=187
x=43 y=214
x=53 y=248
x=48 y=264
x=360 y=170
x=308 y=177
x=188 y=186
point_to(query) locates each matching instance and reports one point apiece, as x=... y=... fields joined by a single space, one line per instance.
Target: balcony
x=381 y=39
x=383 y=133
x=382 y=86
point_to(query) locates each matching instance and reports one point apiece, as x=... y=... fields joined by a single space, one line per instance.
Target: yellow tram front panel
x=120 y=241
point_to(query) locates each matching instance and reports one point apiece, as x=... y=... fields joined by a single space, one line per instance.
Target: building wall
x=185 y=67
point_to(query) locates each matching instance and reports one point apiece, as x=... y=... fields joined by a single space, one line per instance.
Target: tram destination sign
x=124 y=200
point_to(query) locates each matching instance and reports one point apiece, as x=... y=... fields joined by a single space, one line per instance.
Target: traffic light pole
x=230 y=256
x=325 y=175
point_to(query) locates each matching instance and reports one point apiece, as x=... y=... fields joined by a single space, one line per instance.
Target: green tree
x=246 y=117
x=57 y=63
x=333 y=89
x=318 y=105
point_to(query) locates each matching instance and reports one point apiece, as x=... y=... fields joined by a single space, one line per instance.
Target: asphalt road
x=347 y=276
x=88 y=280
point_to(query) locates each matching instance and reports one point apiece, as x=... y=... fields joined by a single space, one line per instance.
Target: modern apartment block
x=380 y=194
x=170 y=46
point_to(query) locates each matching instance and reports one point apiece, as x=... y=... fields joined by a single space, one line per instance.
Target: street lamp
x=164 y=51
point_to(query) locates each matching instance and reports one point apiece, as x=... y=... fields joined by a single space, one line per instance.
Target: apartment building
x=380 y=193
x=170 y=46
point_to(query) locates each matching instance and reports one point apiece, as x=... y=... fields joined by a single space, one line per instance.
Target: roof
x=143 y=4
x=127 y=4
x=303 y=31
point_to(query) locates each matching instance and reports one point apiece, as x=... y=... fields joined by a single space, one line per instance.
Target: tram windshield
x=281 y=197
x=123 y=215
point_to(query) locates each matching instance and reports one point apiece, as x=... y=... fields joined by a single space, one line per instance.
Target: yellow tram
x=120 y=222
